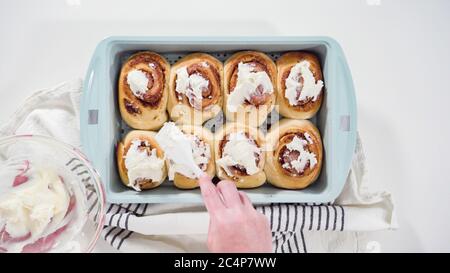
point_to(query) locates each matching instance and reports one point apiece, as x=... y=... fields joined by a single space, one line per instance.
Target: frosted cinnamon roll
x=140 y=161
x=249 y=87
x=294 y=154
x=300 y=85
x=196 y=85
x=203 y=153
x=239 y=155
x=143 y=91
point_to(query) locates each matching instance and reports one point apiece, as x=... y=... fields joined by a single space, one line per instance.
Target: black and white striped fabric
x=115 y=231
x=288 y=223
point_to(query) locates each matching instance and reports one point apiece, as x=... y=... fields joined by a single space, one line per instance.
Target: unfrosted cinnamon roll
x=249 y=87
x=196 y=84
x=140 y=161
x=143 y=91
x=202 y=144
x=239 y=155
x=300 y=85
x=294 y=154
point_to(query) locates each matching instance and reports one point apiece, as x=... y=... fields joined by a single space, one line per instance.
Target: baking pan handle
x=346 y=116
x=89 y=108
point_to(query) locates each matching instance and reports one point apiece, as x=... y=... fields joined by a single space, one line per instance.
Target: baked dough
x=248 y=113
x=149 y=111
x=122 y=149
x=181 y=109
x=242 y=179
x=183 y=182
x=281 y=134
x=303 y=109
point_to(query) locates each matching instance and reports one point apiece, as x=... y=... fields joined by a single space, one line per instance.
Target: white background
x=398 y=51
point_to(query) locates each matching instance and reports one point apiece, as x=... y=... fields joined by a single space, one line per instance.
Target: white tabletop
x=398 y=52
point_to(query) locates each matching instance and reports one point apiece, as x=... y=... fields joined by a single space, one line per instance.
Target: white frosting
x=298 y=144
x=239 y=150
x=177 y=147
x=191 y=86
x=247 y=82
x=308 y=138
x=309 y=88
x=201 y=153
x=138 y=81
x=142 y=165
x=29 y=208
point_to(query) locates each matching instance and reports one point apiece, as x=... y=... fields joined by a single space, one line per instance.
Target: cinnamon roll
x=300 y=85
x=239 y=155
x=203 y=153
x=196 y=85
x=249 y=87
x=140 y=161
x=294 y=154
x=143 y=91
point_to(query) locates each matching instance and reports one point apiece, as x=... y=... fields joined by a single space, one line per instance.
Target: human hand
x=235 y=225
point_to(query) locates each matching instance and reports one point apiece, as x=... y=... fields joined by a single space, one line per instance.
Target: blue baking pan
x=102 y=127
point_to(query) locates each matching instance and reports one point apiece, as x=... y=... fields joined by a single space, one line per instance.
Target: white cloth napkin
x=337 y=227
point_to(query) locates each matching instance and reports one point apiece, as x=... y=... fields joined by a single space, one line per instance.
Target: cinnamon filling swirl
x=301 y=88
x=300 y=103
x=201 y=85
x=300 y=160
x=154 y=73
x=131 y=107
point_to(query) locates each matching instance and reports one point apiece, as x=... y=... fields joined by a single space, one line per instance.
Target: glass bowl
x=51 y=198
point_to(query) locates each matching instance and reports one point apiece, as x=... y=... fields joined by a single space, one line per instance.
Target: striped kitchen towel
x=181 y=228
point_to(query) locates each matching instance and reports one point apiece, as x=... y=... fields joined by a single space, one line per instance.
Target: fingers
x=210 y=195
x=245 y=200
x=229 y=193
x=224 y=195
